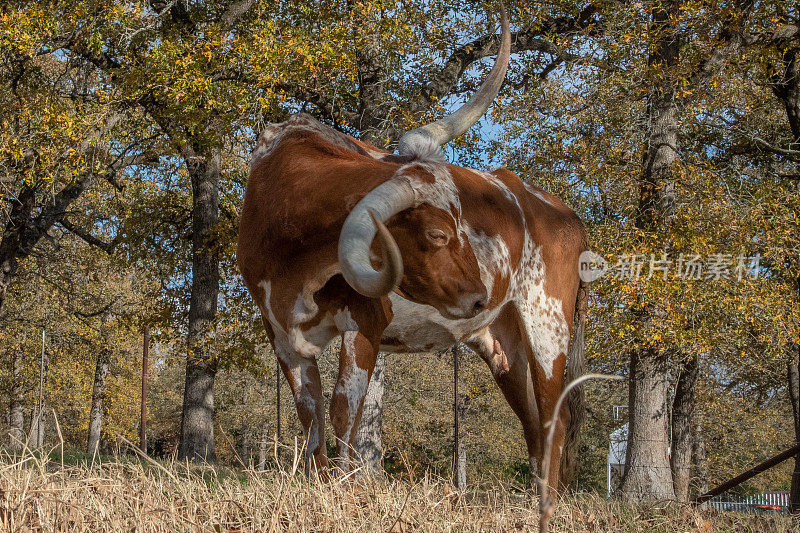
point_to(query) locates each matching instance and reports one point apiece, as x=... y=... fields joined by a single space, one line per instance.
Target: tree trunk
x=786 y=87
x=98 y=395
x=197 y=421
x=368 y=443
x=16 y=422
x=16 y=407
x=262 y=446
x=700 y=460
x=374 y=107
x=460 y=471
x=36 y=435
x=459 y=452
x=794 y=395
x=246 y=448
x=682 y=428
x=7 y=270
x=143 y=398
x=647 y=468
x=14 y=238
x=246 y=433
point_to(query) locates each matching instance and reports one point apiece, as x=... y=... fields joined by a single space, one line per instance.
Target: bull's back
x=297 y=199
x=547 y=216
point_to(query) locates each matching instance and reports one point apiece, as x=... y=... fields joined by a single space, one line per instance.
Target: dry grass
x=129 y=495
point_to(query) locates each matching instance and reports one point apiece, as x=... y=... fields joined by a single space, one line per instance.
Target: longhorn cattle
x=406 y=253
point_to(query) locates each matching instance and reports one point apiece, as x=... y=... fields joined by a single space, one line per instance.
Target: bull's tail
x=576 y=366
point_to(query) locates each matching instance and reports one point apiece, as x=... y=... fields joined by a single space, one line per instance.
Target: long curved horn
x=364 y=221
x=432 y=136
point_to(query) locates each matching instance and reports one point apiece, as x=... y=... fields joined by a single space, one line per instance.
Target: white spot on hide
x=442 y=193
x=344 y=320
x=498 y=183
x=531 y=189
x=267 y=286
x=300 y=344
x=353 y=385
x=422 y=328
x=492 y=255
x=542 y=316
x=302 y=312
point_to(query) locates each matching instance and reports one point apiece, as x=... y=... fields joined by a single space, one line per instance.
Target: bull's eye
x=437 y=237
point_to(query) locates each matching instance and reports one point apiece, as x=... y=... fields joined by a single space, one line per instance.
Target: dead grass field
x=126 y=494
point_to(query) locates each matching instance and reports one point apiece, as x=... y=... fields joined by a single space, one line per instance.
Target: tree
x=786 y=88
x=647 y=472
x=16 y=407
x=46 y=97
x=793 y=377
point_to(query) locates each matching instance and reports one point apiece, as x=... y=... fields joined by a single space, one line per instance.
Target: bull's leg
x=530 y=389
x=545 y=335
x=507 y=356
x=547 y=386
x=361 y=324
x=302 y=374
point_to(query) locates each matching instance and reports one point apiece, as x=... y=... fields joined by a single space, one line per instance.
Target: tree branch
x=443 y=83
x=328 y=108
x=53 y=210
x=782 y=35
x=235 y=12
x=87 y=237
x=101 y=311
x=730 y=39
x=794 y=155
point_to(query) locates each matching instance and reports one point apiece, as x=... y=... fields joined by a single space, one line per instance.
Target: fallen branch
x=741 y=478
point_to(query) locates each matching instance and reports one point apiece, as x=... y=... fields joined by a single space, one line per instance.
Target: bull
x=407 y=253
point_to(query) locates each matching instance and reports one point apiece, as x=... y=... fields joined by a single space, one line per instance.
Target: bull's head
x=440 y=268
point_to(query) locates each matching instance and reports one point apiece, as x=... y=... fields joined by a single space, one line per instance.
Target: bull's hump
x=302 y=127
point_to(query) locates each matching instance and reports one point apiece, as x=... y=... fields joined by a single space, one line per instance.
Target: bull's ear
x=437 y=237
